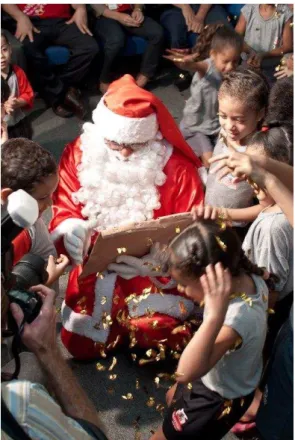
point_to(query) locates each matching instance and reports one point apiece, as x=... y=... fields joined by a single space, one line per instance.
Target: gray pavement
x=119 y=415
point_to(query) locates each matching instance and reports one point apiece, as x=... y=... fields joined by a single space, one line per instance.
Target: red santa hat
x=128 y=114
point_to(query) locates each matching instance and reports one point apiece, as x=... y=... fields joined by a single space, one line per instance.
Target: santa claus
x=132 y=164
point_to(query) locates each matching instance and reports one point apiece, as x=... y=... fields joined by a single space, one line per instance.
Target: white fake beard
x=116 y=191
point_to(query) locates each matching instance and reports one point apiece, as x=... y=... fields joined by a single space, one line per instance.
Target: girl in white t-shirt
x=222 y=364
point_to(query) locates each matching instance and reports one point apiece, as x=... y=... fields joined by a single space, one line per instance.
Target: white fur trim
x=122 y=129
x=166 y=304
x=83 y=325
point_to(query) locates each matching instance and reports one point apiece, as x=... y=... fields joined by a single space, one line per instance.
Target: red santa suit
x=160 y=178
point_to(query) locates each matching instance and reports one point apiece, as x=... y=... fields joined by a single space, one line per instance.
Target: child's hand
x=283 y=73
x=10 y=104
x=204 y=212
x=255 y=59
x=55 y=268
x=217 y=285
x=181 y=60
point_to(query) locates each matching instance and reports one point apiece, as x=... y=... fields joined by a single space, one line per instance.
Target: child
x=280 y=105
x=26 y=165
x=222 y=47
x=222 y=364
x=243 y=98
x=269 y=241
x=21 y=94
x=5 y=92
x=267 y=31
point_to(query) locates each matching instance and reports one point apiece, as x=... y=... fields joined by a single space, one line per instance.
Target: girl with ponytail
x=216 y=53
x=221 y=366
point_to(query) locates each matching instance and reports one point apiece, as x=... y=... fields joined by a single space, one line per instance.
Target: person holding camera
x=28 y=411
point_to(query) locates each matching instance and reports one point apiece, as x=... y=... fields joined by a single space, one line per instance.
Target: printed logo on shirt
x=32 y=10
x=179 y=418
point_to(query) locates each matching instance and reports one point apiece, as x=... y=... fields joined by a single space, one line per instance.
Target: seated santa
x=132 y=164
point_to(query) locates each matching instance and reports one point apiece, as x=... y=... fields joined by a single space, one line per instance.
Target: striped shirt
x=38 y=413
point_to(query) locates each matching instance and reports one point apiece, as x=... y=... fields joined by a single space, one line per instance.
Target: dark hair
x=276 y=141
x=204 y=243
x=216 y=37
x=246 y=85
x=5 y=90
x=24 y=164
x=280 y=104
x=3 y=35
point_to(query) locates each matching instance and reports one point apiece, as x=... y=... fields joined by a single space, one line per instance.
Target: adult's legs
x=83 y=49
x=175 y=27
x=43 y=79
x=154 y=34
x=113 y=38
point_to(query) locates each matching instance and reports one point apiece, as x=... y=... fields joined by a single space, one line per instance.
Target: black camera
x=20 y=212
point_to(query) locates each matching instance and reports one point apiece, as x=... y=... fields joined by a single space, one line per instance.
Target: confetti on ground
x=134 y=356
x=100 y=275
x=150 y=402
x=100 y=367
x=157 y=381
x=121 y=250
x=177 y=230
x=113 y=376
x=113 y=364
x=128 y=396
x=103 y=300
x=189 y=386
x=137 y=386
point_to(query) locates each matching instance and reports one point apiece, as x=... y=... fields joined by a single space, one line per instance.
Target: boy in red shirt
x=21 y=94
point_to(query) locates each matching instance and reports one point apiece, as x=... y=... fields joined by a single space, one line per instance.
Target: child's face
x=227 y=60
x=5 y=55
x=43 y=191
x=190 y=287
x=236 y=119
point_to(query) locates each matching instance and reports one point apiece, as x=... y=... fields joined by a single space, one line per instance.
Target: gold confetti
x=227 y=410
x=271 y=311
x=291 y=24
x=102 y=353
x=177 y=230
x=177 y=374
x=238 y=343
x=83 y=312
x=157 y=381
x=160 y=407
x=130 y=298
x=121 y=250
x=242 y=402
x=202 y=303
x=113 y=376
x=182 y=308
x=133 y=340
x=106 y=320
x=137 y=384
x=264 y=297
x=128 y=396
x=113 y=364
x=151 y=353
x=145 y=361
x=83 y=299
x=154 y=324
x=103 y=300
x=221 y=244
x=116 y=299
x=161 y=347
x=58 y=309
x=100 y=367
x=176 y=355
x=147 y=290
x=100 y=275
x=189 y=386
x=149 y=241
x=164 y=376
x=181 y=75
x=178 y=329
x=113 y=344
x=134 y=356
x=150 y=402
x=97 y=326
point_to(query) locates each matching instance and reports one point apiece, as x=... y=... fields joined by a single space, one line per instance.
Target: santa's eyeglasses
x=119 y=147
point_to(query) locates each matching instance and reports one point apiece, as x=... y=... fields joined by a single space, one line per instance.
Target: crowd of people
x=229 y=163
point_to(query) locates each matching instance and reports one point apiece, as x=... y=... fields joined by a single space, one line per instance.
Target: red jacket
x=25 y=89
x=46 y=10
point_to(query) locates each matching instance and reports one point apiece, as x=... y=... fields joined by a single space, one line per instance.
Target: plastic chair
x=57 y=55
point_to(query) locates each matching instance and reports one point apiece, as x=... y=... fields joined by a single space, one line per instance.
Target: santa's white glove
x=76 y=234
x=129 y=267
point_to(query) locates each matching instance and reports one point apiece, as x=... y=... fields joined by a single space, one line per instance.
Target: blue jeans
x=176 y=30
x=275 y=415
